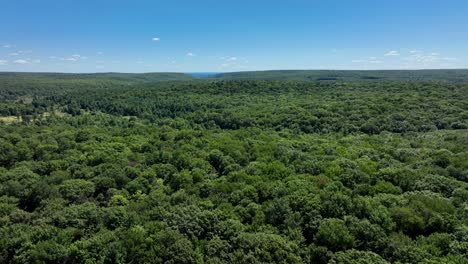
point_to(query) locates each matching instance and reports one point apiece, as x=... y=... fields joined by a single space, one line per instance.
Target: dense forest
x=337 y=75
x=259 y=167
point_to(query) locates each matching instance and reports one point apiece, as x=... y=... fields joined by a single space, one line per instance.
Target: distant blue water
x=203 y=74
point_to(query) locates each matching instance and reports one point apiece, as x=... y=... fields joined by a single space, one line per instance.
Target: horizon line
x=220 y=72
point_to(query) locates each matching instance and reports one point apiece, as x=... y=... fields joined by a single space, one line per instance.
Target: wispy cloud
x=190 y=54
x=100 y=53
x=412 y=59
x=232 y=62
x=20 y=52
x=449 y=59
x=7 y=46
x=21 y=61
x=428 y=60
x=3 y=62
x=156 y=39
x=392 y=53
x=72 y=58
x=423 y=58
x=26 y=61
x=369 y=60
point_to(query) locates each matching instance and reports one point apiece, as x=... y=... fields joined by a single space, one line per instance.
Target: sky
x=231 y=35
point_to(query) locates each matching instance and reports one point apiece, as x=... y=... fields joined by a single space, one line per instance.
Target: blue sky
x=220 y=36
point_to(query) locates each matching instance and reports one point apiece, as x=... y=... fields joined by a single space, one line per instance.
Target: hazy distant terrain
x=127 y=77
x=330 y=75
x=285 y=75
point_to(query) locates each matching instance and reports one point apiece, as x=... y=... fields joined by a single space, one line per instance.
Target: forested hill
x=14 y=85
x=331 y=75
x=126 y=77
x=460 y=75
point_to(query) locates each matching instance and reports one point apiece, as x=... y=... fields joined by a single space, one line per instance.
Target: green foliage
x=76 y=190
x=357 y=257
x=334 y=234
x=329 y=75
x=356 y=167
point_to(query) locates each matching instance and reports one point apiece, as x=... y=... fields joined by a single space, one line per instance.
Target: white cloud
x=415 y=51
x=190 y=54
x=26 y=61
x=3 y=62
x=407 y=60
x=19 y=52
x=428 y=60
x=369 y=60
x=234 y=66
x=156 y=39
x=392 y=53
x=72 y=58
x=423 y=58
x=7 y=46
x=449 y=59
x=21 y=61
x=234 y=63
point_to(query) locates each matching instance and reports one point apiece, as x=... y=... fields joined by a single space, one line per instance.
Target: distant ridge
x=455 y=75
x=459 y=75
x=125 y=77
